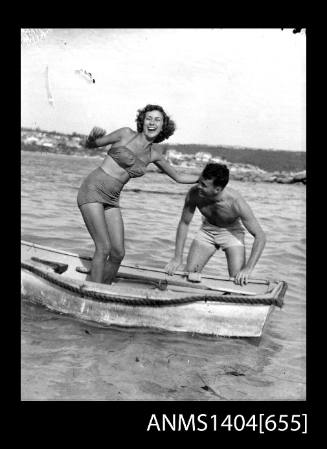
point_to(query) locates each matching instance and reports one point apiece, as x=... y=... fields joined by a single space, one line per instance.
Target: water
x=65 y=359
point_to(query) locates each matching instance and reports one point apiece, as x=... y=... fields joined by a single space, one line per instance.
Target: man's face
x=206 y=188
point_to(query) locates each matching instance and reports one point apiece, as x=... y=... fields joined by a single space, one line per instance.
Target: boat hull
x=72 y=294
x=205 y=318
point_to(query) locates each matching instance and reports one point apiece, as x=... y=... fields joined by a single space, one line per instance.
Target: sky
x=239 y=87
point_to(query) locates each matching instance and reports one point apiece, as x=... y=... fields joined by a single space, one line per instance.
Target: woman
x=98 y=196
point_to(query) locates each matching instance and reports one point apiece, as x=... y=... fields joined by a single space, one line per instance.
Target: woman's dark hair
x=168 y=127
x=219 y=173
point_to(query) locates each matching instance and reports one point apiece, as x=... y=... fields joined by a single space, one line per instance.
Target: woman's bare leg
x=115 y=227
x=94 y=218
x=107 y=231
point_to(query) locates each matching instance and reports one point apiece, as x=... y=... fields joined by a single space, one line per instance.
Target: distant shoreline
x=245 y=164
x=235 y=175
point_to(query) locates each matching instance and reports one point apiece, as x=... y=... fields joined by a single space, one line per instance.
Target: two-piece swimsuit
x=100 y=187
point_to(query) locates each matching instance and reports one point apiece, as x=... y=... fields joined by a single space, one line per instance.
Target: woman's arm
x=99 y=138
x=172 y=173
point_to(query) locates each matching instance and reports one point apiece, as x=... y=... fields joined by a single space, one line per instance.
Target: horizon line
x=37 y=128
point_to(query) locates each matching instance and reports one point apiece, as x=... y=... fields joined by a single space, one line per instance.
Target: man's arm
x=252 y=225
x=181 y=234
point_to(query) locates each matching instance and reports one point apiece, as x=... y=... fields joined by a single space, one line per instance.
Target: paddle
x=182 y=284
x=194 y=281
x=58 y=267
x=192 y=275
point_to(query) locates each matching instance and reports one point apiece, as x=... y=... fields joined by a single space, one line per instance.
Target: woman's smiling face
x=153 y=123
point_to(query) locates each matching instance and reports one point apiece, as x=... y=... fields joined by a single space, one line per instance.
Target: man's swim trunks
x=221 y=237
x=100 y=187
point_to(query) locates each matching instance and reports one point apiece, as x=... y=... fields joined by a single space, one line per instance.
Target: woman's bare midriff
x=113 y=169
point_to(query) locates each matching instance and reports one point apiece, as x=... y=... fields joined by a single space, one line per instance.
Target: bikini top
x=126 y=159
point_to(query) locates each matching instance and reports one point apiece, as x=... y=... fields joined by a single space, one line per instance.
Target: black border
x=130 y=419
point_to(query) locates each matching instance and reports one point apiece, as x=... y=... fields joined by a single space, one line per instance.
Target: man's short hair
x=219 y=173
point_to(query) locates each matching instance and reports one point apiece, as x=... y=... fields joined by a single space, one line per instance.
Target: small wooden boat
x=146 y=297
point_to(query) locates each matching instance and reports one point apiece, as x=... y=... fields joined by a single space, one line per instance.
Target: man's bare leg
x=235 y=256
x=198 y=256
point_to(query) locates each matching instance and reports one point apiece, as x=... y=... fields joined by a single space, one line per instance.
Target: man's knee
x=194 y=268
x=235 y=259
x=198 y=256
x=233 y=270
x=193 y=264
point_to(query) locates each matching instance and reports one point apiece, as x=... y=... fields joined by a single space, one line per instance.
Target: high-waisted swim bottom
x=100 y=187
x=221 y=237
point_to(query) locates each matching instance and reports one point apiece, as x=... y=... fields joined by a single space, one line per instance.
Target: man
x=224 y=211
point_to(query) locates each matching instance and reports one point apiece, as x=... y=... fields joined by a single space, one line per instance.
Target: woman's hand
x=95 y=133
x=173 y=265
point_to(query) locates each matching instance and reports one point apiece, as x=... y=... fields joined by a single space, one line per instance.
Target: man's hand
x=242 y=276
x=173 y=265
